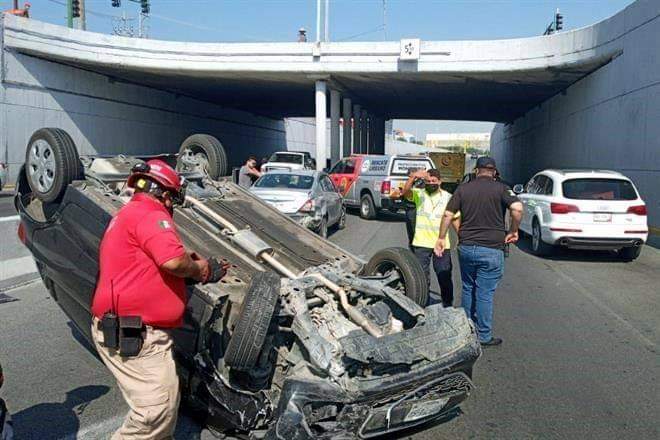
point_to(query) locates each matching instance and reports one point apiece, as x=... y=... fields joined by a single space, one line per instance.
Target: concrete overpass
x=501 y=80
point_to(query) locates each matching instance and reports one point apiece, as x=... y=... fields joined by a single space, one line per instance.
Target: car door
x=333 y=199
x=344 y=175
x=527 y=199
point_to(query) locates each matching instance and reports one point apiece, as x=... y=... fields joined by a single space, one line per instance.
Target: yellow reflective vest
x=430 y=210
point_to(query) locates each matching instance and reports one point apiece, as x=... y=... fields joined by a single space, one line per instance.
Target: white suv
x=583 y=209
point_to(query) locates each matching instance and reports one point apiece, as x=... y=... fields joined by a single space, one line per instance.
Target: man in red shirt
x=142 y=270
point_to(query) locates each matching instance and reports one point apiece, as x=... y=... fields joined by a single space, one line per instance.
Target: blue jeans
x=481 y=271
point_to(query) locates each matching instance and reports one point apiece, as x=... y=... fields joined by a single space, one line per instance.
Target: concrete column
x=363 y=131
x=379 y=136
x=321 y=115
x=372 y=141
x=347 y=108
x=357 y=110
x=335 y=101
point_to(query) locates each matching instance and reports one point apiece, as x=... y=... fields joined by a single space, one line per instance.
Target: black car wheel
x=203 y=153
x=256 y=313
x=630 y=253
x=411 y=277
x=539 y=247
x=367 y=207
x=51 y=163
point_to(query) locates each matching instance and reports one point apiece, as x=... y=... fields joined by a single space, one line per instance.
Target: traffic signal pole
x=69 y=13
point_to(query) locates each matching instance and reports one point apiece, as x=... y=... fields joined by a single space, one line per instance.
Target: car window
x=349 y=167
x=327 y=185
x=541 y=180
x=598 y=189
x=549 y=186
x=531 y=186
x=338 y=168
x=285 y=181
x=286 y=158
x=401 y=167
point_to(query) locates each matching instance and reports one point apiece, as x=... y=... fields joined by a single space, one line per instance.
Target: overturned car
x=300 y=339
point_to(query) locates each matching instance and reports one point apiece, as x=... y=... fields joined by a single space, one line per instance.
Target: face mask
x=431 y=187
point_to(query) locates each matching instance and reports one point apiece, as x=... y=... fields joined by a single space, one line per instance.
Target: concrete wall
x=107 y=117
x=609 y=119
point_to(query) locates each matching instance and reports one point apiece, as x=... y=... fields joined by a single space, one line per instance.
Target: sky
x=350 y=20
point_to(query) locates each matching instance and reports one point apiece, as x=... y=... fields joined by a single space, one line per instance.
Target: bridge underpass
x=525 y=84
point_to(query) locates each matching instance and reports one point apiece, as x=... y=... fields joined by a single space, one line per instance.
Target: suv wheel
x=411 y=280
x=203 y=153
x=539 y=247
x=367 y=207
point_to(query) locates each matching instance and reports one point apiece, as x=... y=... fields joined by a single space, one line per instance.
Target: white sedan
x=583 y=209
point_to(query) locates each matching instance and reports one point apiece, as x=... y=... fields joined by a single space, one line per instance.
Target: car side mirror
x=518 y=188
x=326 y=170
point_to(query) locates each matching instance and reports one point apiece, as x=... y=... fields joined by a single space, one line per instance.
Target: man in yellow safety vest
x=430 y=203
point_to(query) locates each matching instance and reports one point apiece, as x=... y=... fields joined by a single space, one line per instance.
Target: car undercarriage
x=300 y=340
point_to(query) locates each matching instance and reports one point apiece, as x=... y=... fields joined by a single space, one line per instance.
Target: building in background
x=468 y=142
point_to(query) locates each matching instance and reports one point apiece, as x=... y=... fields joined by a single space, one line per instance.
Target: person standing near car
x=482 y=236
x=430 y=205
x=140 y=297
x=248 y=173
x=409 y=209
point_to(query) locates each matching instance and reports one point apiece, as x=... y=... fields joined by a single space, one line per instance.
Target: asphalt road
x=579 y=360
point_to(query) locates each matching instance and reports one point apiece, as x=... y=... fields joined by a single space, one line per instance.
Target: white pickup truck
x=289 y=161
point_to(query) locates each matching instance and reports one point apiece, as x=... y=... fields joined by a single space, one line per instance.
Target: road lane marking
x=16 y=267
x=608 y=311
x=11 y=218
x=102 y=429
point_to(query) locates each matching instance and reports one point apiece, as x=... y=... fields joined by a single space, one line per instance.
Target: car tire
x=539 y=247
x=255 y=317
x=204 y=153
x=630 y=253
x=404 y=261
x=341 y=224
x=367 y=207
x=51 y=163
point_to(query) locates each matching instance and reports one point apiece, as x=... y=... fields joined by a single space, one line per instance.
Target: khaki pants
x=149 y=384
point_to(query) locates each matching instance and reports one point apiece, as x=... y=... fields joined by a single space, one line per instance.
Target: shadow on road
x=56 y=420
x=383 y=216
x=563 y=254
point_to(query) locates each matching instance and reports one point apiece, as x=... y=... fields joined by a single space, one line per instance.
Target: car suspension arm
x=357 y=316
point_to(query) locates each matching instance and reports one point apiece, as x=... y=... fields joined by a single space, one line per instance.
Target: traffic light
x=75 y=8
x=144 y=4
x=559 y=21
x=116 y=3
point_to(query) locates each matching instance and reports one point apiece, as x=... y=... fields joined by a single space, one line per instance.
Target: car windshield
x=599 y=189
x=287 y=181
x=287 y=158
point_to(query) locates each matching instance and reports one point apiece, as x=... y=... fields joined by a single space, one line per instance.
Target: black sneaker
x=491 y=342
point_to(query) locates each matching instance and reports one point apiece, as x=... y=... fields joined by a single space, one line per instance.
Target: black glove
x=217 y=270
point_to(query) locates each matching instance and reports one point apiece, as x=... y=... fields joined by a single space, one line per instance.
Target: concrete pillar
x=371 y=142
x=321 y=115
x=347 y=109
x=379 y=136
x=363 y=131
x=335 y=101
x=357 y=111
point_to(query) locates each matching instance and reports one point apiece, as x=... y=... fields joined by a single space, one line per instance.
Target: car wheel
x=341 y=224
x=630 y=253
x=51 y=163
x=539 y=247
x=411 y=278
x=202 y=153
x=367 y=207
x=323 y=228
x=255 y=316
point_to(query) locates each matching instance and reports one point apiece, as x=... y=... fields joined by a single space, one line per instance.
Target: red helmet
x=158 y=171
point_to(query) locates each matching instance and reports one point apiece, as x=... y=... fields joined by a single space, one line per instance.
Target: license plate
x=602 y=217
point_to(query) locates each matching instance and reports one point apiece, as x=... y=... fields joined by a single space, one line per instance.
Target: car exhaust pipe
x=256 y=247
